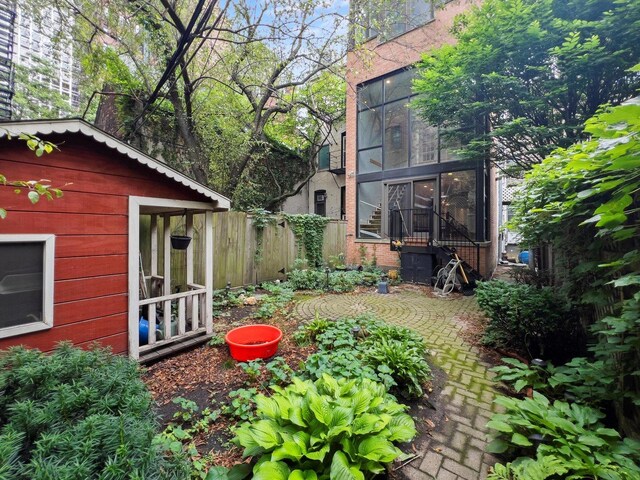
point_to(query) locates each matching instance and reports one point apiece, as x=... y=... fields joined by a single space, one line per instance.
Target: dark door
x=416 y=267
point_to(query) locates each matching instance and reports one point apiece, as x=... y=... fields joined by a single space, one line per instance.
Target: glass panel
x=323 y=158
x=369 y=210
x=424 y=141
x=419 y=13
x=370 y=161
x=21 y=279
x=424 y=193
x=448 y=146
x=370 y=95
x=398 y=86
x=370 y=128
x=396 y=135
x=458 y=205
x=399 y=196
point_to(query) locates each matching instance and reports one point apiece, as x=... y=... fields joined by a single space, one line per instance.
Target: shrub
x=530 y=320
x=77 y=414
x=333 y=427
x=558 y=433
x=339 y=281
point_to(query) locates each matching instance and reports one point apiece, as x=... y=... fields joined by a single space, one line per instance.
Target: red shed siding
x=91 y=226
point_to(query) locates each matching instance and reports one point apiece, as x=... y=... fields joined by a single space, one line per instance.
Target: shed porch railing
x=189 y=316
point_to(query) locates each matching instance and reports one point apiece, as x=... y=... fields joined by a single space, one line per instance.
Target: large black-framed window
x=394 y=144
x=392 y=19
x=390 y=134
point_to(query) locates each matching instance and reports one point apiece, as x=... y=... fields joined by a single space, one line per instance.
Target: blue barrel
x=143 y=331
x=523 y=257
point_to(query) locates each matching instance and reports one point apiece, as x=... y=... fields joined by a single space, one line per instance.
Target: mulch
x=207 y=374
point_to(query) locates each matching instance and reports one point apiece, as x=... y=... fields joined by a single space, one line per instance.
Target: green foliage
x=335 y=427
x=524 y=318
x=78 y=414
x=217 y=340
x=393 y=356
x=592 y=188
x=339 y=281
x=521 y=75
x=242 y=404
x=279 y=371
x=309 y=232
x=260 y=218
x=404 y=363
x=178 y=436
x=570 y=435
x=223 y=299
x=252 y=369
x=522 y=376
x=36 y=188
x=279 y=296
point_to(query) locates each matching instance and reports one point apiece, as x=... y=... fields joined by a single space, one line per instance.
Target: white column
x=208 y=262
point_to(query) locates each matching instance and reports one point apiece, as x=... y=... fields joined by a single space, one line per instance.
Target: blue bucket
x=524 y=257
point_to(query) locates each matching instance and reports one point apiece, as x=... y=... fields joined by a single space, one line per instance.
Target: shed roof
x=76 y=125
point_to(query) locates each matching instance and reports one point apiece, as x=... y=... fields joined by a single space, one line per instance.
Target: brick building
x=403 y=181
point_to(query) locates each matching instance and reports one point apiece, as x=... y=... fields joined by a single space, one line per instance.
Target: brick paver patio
x=456 y=449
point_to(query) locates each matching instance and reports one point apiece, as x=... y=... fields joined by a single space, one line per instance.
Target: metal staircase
x=413 y=228
x=7 y=19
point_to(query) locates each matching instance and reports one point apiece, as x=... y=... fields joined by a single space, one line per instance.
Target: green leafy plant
x=279 y=371
x=570 y=433
x=253 y=369
x=242 y=403
x=309 y=231
x=522 y=376
x=260 y=218
x=365 y=347
x=524 y=318
x=279 y=296
x=403 y=362
x=332 y=427
x=78 y=414
x=217 y=340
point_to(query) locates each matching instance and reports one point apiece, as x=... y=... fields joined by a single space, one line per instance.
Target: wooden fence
x=235 y=257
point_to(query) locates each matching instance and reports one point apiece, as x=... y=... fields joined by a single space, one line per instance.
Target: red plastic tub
x=253 y=341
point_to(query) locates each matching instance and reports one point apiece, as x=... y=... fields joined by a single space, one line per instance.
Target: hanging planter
x=180 y=242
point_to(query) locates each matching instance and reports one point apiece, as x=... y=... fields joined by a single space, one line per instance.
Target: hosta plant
x=572 y=434
x=330 y=428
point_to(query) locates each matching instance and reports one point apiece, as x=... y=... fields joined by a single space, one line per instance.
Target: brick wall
x=368 y=62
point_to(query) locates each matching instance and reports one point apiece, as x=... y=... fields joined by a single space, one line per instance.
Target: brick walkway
x=456 y=449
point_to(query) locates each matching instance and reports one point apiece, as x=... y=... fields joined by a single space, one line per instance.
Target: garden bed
x=207 y=374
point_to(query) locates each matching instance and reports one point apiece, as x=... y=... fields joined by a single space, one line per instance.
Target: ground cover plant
x=337 y=281
x=330 y=428
x=78 y=414
x=365 y=347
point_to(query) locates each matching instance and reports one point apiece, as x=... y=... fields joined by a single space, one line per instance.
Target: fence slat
x=234 y=251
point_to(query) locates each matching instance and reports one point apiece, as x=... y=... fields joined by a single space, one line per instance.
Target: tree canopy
x=525 y=75
x=228 y=92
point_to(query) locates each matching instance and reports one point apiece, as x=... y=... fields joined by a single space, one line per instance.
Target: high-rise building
x=37 y=64
x=7 y=18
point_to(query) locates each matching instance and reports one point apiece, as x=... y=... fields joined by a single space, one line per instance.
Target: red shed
x=71 y=269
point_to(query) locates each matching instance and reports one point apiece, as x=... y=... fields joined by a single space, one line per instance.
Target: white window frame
x=48 y=242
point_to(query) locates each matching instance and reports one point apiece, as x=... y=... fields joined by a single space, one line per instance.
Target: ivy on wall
x=309 y=232
x=260 y=218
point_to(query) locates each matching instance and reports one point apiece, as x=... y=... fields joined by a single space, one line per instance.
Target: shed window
x=26 y=283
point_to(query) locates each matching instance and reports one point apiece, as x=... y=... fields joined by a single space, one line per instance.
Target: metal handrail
x=398 y=233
